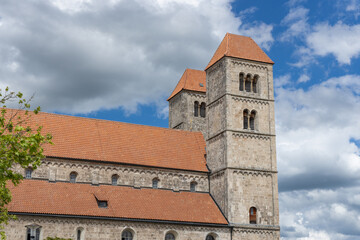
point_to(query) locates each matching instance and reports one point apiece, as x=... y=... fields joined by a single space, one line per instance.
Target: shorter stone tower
x=187 y=105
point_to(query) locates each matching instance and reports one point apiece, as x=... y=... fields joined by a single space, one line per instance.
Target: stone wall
x=181 y=111
x=94 y=229
x=101 y=173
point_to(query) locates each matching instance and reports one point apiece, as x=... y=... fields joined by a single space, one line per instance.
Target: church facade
x=212 y=175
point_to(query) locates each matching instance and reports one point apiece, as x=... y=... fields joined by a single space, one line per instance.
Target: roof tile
x=43 y=197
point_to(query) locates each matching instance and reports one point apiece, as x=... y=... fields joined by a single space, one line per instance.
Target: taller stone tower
x=241 y=138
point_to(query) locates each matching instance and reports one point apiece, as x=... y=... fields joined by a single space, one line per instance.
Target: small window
x=102 y=204
x=169 y=236
x=28 y=173
x=252 y=120
x=248 y=83
x=254 y=84
x=114 y=179
x=202 y=109
x=241 y=82
x=193 y=186
x=210 y=237
x=155 y=183
x=246 y=118
x=73 y=176
x=79 y=234
x=33 y=232
x=126 y=235
x=252 y=213
x=196 y=109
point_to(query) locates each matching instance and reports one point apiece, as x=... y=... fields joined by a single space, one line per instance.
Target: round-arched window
x=169 y=236
x=73 y=176
x=126 y=235
x=210 y=237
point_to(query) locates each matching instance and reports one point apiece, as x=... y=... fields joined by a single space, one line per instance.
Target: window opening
x=252 y=120
x=102 y=204
x=73 y=176
x=193 y=186
x=254 y=83
x=248 y=83
x=241 y=82
x=28 y=173
x=33 y=232
x=155 y=183
x=196 y=109
x=114 y=179
x=126 y=235
x=169 y=236
x=210 y=237
x=246 y=119
x=252 y=214
x=202 y=109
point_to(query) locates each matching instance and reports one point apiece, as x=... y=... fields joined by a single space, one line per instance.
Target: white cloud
x=340 y=40
x=296 y=20
x=85 y=55
x=282 y=81
x=318 y=162
x=303 y=78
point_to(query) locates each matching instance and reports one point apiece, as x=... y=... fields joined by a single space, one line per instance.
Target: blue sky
x=120 y=60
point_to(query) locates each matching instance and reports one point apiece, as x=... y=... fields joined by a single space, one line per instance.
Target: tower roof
x=239 y=47
x=193 y=80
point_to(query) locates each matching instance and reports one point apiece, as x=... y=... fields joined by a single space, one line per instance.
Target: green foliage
x=56 y=238
x=20 y=145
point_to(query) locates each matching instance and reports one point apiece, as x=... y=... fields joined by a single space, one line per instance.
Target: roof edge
x=119 y=219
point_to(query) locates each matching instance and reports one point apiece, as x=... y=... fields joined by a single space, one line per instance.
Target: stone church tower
x=240 y=136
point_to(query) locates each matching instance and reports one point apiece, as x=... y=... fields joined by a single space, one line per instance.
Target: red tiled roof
x=102 y=140
x=191 y=80
x=240 y=47
x=43 y=197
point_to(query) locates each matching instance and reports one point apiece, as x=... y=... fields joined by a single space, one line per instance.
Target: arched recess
x=114 y=179
x=252 y=215
x=73 y=176
x=253 y=120
x=255 y=84
x=128 y=234
x=203 y=109
x=171 y=235
x=248 y=83
x=241 y=81
x=196 y=108
x=246 y=119
x=80 y=233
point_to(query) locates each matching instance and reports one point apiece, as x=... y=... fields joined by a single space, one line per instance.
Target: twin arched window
x=248 y=82
x=199 y=107
x=73 y=176
x=252 y=215
x=249 y=119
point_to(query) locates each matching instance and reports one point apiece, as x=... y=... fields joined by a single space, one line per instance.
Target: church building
x=211 y=175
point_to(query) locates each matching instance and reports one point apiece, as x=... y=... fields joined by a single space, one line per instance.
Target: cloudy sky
x=120 y=60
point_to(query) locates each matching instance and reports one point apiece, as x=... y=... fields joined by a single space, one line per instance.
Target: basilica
x=211 y=175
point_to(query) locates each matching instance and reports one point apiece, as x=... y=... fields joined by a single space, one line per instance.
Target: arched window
x=193 y=186
x=126 y=235
x=155 y=183
x=114 y=179
x=252 y=214
x=202 y=109
x=252 y=120
x=241 y=82
x=33 y=232
x=79 y=234
x=246 y=118
x=210 y=237
x=73 y=176
x=28 y=173
x=169 y=236
x=254 y=83
x=248 y=83
x=196 y=109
